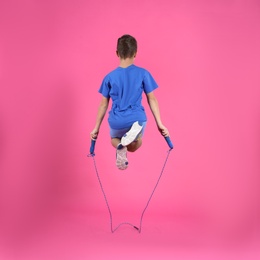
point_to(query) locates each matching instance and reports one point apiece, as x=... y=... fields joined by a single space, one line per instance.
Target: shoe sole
x=132 y=134
x=121 y=159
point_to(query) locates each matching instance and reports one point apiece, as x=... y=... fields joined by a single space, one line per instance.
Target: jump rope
x=139 y=229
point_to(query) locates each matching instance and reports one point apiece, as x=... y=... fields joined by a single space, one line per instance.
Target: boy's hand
x=163 y=130
x=94 y=134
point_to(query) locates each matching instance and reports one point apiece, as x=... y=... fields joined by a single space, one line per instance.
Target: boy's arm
x=100 y=115
x=154 y=106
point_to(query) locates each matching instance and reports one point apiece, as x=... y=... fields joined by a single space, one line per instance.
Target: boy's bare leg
x=134 y=145
x=115 y=142
x=131 y=147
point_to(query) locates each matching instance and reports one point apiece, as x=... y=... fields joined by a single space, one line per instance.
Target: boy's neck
x=124 y=63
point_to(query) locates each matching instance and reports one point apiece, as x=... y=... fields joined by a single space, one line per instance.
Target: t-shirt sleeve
x=105 y=87
x=149 y=83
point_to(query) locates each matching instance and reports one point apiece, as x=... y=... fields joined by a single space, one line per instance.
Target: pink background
x=205 y=56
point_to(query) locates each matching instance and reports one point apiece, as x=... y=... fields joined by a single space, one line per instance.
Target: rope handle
x=92 y=147
x=169 y=142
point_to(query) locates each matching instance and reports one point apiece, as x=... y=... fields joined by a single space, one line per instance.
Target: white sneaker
x=121 y=158
x=132 y=134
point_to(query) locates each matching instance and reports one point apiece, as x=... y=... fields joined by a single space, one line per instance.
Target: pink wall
x=204 y=55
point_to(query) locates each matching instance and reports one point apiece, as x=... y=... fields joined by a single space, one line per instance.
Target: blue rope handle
x=92 y=147
x=169 y=142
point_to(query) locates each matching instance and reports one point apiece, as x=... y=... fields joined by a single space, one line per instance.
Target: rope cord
x=148 y=202
x=139 y=229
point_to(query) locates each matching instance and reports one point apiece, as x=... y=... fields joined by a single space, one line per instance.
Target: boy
x=127 y=118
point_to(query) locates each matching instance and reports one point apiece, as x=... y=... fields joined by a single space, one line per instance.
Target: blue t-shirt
x=125 y=87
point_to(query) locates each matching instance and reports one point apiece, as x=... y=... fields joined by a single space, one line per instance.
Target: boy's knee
x=134 y=146
x=132 y=149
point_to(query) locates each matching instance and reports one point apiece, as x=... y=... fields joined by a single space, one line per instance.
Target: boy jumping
x=127 y=118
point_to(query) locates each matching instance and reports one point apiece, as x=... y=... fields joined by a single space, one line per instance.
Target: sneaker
x=132 y=134
x=121 y=158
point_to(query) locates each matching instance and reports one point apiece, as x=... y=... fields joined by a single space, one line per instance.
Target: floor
x=88 y=236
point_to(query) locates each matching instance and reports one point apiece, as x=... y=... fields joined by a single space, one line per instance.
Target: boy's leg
x=134 y=145
x=131 y=147
x=115 y=142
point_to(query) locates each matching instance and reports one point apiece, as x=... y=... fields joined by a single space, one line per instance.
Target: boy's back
x=125 y=87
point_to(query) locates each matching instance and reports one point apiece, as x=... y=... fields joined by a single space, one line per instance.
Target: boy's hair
x=126 y=46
